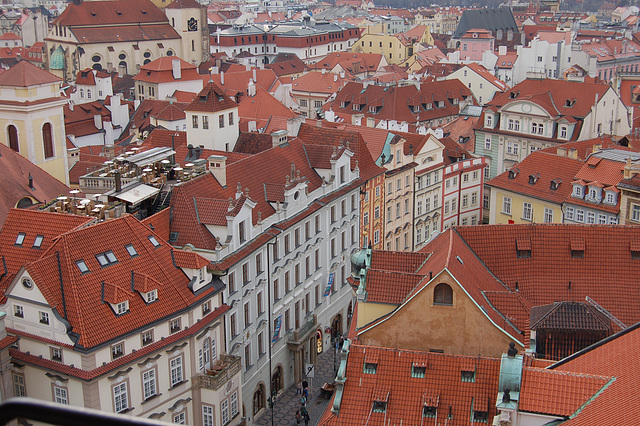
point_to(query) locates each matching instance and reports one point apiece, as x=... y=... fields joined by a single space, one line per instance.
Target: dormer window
x=418 y=371
x=416 y=108
x=468 y=376
x=534 y=178
x=372 y=109
x=577 y=191
x=514 y=94
x=379 y=406
x=489 y=121
x=151 y=296
x=555 y=184
x=370 y=368
x=513 y=172
x=610 y=198
x=122 y=307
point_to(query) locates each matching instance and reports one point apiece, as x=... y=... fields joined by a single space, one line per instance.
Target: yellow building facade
x=512 y=207
x=32 y=118
x=396 y=48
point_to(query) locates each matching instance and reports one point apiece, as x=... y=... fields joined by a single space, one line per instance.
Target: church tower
x=189 y=19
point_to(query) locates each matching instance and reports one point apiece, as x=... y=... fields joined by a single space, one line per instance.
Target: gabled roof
x=574 y=316
x=114 y=12
x=318 y=82
x=161 y=71
x=211 y=99
x=406 y=395
x=26 y=74
x=492 y=19
x=78 y=297
x=237 y=81
x=353 y=63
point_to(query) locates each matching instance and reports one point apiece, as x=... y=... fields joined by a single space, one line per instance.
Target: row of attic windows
x=109 y=258
x=430 y=409
x=36 y=243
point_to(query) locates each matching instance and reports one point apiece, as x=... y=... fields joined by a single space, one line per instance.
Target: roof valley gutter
x=64 y=303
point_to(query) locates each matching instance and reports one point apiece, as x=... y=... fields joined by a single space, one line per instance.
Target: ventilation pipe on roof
x=254 y=75
x=222 y=78
x=31 y=181
x=116 y=175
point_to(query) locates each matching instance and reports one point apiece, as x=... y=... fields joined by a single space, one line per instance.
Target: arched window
x=47 y=140
x=13 y=138
x=258 y=399
x=443 y=294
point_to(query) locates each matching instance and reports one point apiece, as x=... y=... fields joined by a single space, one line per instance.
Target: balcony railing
x=220 y=374
x=300 y=335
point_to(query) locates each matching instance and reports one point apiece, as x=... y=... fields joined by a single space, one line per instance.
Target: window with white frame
x=18 y=311
x=610 y=198
x=577 y=191
x=580 y=215
x=207 y=415
x=537 y=128
x=591 y=217
x=563 y=132
x=175 y=325
x=487 y=143
x=149 y=383
x=602 y=219
x=60 y=395
x=19 y=388
x=489 y=120
x=147 y=337
x=635 y=212
x=569 y=213
x=548 y=215
x=233 y=402
x=152 y=296
x=486 y=203
x=224 y=411
x=175 y=366
x=120 y=397
x=122 y=307
x=44 y=317
x=506 y=205
x=179 y=418
x=527 y=212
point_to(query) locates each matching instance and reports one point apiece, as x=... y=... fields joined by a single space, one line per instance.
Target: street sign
x=310 y=370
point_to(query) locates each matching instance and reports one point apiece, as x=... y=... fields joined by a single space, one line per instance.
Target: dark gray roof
x=500 y=18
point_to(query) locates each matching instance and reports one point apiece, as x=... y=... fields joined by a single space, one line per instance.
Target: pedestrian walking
x=298 y=417
x=305 y=384
x=298 y=387
x=303 y=400
x=305 y=392
x=305 y=415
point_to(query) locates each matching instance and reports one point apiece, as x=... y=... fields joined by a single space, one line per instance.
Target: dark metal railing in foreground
x=68 y=415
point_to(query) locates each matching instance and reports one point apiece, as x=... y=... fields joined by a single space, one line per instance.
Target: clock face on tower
x=192 y=24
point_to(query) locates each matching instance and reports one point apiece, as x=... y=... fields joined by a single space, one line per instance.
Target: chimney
x=175 y=68
x=222 y=78
x=251 y=126
x=279 y=137
x=597 y=147
x=97 y=121
x=323 y=71
x=254 y=75
x=218 y=168
x=31 y=181
x=251 y=88
x=116 y=175
x=190 y=154
x=502 y=50
x=573 y=153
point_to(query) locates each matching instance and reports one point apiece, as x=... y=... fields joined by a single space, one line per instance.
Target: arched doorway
x=336 y=325
x=277 y=382
x=13 y=138
x=258 y=399
x=319 y=343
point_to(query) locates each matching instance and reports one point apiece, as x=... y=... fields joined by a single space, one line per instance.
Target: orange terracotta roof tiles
x=263 y=105
x=555 y=392
x=81 y=302
x=211 y=99
x=551 y=181
x=14 y=182
x=189 y=259
x=116 y=12
x=390 y=287
x=25 y=74
x=405 y=393
x=124 y=33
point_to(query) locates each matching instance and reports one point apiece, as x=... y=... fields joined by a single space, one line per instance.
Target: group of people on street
x=302 y=414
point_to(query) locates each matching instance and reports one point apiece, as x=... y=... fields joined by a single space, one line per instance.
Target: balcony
x=302 y=334
x=224 y=370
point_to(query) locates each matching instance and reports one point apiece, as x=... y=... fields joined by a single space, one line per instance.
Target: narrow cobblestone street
x=288 y=401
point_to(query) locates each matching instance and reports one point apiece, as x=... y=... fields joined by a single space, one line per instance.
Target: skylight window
x=131 y=250
x=38 y=242
x=153 y=241
x=107 y=258
x=20 y=238
x=82 y=266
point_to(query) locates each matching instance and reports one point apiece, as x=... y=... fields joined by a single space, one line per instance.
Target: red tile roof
x=161 y=71
x=124 y=33
x=317 y=82
x=555 y=392
x=263 y=106
x=405 y=395
x=287 y=67
x=26 y=74
x=618 y=402
x=351 y=62
x=115 y=12
x=546 y=168
x=236 y=79
x=211 y=99
x=80 y=301
x=14 y=182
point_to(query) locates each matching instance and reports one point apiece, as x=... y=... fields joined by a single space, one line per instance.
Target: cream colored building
x=32 y=119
